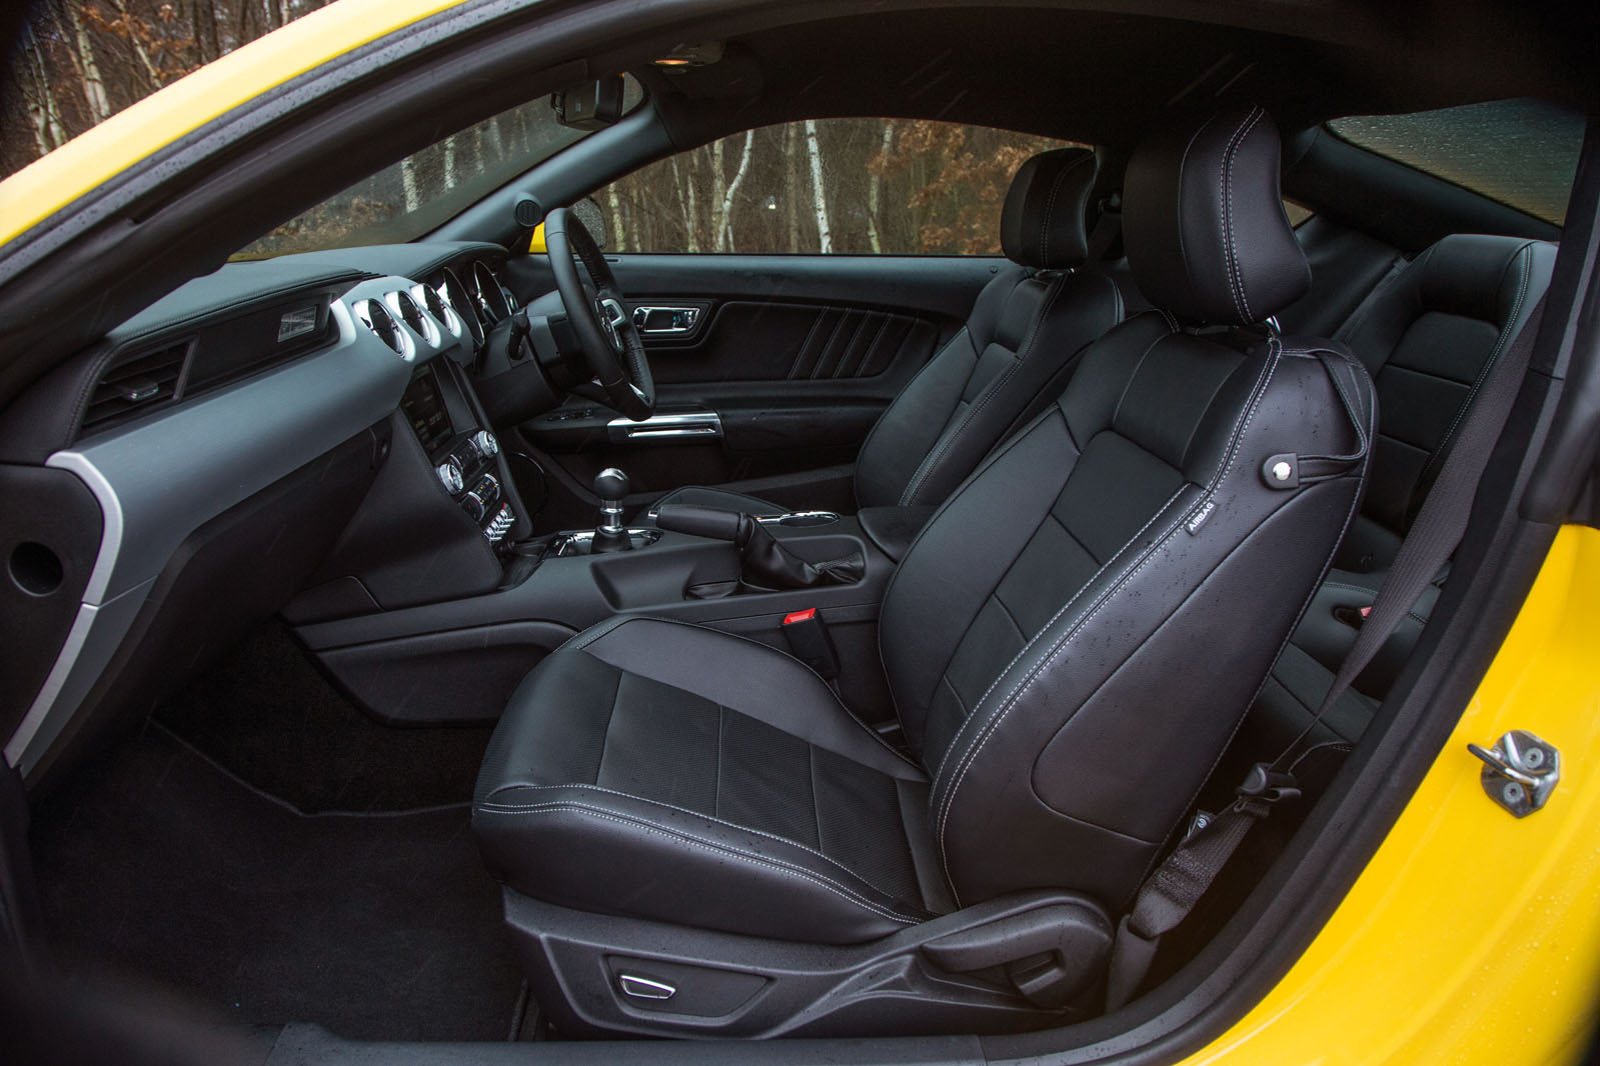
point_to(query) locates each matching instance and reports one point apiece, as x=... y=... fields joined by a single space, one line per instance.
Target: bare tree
x=725 y=217
x=94 y=86
x=819 y=196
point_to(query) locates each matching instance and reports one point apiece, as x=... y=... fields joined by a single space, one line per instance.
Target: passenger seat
x=1428 y=335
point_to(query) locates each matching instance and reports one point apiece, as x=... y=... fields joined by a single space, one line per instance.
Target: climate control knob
x=485 y=444
x=450 y=475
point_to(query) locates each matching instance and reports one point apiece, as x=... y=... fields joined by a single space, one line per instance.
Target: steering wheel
x=610 y=343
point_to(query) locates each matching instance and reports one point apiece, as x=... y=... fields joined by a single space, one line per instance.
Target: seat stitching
x=1050 y=207
x=820 y=680
x=948 y=441
x=1225 y=181
x=1064 y=608
x=697 y=814
x=927 y=367
x=665 y=831
x=1241 y=426
x=1116 y=411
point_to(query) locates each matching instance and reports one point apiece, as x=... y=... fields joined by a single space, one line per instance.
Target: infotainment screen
x=424 y=407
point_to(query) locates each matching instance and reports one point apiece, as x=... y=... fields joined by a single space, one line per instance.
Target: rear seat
x=1427 y=333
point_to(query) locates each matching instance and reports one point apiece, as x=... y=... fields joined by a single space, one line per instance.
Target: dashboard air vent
x=380 y=322
x=135 y=384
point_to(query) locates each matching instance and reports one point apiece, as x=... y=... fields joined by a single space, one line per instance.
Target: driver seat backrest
x=1016 y=348
x=1076 y=633
x=1018 y=345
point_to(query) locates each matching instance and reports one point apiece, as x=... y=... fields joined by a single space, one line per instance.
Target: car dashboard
x=210 y=454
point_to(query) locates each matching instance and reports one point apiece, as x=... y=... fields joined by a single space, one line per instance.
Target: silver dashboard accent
x=437 y=307
x=678 y=425
x=450 y=476
x=410 y=314
x=385 y=327
x=214 y=450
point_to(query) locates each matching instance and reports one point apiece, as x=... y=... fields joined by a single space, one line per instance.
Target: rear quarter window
x=1523 y=153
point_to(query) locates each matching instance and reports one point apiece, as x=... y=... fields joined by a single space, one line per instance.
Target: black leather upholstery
x=1042 y=223
x=1203 y=221
x=1428 y=336
x=1019 y=343
x=1063 y=641
x=666 y=771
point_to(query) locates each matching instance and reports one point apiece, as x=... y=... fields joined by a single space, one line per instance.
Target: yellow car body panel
x=84 y=163
x=1472 y=936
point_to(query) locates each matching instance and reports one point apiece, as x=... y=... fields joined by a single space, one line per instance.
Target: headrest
x=1042 y=224
x=1203 y=221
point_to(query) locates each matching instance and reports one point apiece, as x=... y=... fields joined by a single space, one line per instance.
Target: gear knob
x=611 y=485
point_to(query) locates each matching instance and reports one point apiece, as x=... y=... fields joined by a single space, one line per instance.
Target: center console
x=464 y=458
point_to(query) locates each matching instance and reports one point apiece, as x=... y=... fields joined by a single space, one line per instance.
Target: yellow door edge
x=1472 y=936
x=86 y=162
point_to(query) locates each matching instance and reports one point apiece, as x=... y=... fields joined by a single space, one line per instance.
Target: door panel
x=796 y=355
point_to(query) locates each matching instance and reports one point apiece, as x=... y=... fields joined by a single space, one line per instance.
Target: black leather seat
x=1428 y=335
x=1020 y=341
x=1063 y=641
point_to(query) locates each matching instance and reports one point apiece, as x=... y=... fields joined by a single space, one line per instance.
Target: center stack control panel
x=464 y=462
x=468 y=475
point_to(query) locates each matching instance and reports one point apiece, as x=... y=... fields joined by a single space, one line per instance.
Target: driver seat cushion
x=705 y=794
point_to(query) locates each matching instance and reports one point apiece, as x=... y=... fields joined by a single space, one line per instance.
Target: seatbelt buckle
x=808 y=639
x=1263 y=787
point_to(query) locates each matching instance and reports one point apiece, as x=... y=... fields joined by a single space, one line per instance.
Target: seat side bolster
x=673 y=865
x=760 y=682
x=1080 y=308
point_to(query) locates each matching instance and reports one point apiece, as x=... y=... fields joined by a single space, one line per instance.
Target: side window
x=845 y=186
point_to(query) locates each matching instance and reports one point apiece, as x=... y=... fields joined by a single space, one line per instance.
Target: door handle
x=659 y=320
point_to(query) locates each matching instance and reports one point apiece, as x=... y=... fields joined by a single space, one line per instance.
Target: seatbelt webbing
x=1105 y=230
x=1171 y=892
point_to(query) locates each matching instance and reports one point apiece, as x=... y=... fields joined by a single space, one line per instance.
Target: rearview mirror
x=594 y=105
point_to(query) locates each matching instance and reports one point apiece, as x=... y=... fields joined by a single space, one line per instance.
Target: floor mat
x=156 y=862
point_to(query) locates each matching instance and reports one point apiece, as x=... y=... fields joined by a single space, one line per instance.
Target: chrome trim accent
x=644 y=988
x=800 y=518
x=642 y=313
x=706 y=424
x=429 y=333
x=1519 y=772
x=578 y=541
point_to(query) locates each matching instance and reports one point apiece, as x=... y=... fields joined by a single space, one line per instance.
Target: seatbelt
x=1105 y=231
x=1171 y=892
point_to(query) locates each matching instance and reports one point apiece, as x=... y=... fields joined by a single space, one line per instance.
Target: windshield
x=419 y=193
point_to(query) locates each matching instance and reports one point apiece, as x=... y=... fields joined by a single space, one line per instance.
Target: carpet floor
x=154 y=861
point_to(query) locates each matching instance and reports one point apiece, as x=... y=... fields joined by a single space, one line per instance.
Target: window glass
x=1520 y=152
x=855 y=186
x=425 y=189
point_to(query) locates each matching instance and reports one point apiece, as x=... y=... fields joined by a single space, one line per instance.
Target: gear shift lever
x=611 y=485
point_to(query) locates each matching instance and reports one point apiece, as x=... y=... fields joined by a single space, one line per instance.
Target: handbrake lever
x=763 y=562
